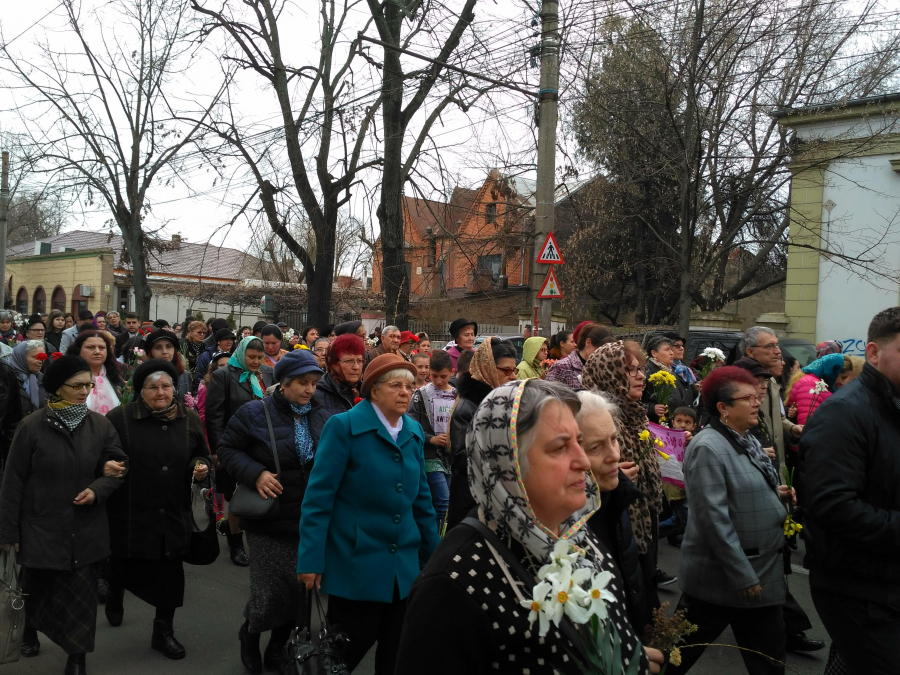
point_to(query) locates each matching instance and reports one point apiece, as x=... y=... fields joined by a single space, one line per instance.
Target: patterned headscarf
x=604 y=371
x=496 y=480
x=19 y=361
x=483 y=367
x=237 y=360
x=828 y=347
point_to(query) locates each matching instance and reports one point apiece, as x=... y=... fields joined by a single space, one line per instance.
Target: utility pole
x=4 y=211
x=545 y=196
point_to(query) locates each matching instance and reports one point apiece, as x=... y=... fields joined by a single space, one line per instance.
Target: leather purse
x=325 y=657
x=204 y=543
x=12 y=608
x=246 y=502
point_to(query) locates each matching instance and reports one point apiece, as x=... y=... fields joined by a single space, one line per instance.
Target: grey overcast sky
x=196 y=207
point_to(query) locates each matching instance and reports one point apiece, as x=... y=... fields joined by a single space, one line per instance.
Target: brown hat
x=381 y=365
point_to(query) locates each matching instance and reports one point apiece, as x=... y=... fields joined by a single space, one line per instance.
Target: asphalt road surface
x=208 y=626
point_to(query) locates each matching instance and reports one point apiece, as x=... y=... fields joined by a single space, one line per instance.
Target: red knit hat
x=578 y=330
x=344 y=345
x=408 y=336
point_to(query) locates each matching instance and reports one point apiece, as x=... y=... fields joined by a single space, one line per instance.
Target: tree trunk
x=390 y=211
x=133 y=238
x=318 y=285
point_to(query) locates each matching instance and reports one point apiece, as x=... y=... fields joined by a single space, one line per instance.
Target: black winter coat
x=150 y=517
x=334 y=398
x=471 y=393
x=850 y=459
x=48 y=467
x=612 y=526
x=10 y=410
x=224 y=395
x=682 y=396
x=245 y=451
x=25 y=400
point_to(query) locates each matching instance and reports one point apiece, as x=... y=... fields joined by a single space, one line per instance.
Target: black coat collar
x=471 y=389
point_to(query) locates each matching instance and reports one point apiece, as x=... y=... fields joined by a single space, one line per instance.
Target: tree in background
x=100 y=120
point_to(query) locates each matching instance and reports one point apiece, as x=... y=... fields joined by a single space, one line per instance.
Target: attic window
x=490 y=212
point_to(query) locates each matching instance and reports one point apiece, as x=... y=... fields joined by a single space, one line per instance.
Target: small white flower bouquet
x=566 y=589
x=712 y=356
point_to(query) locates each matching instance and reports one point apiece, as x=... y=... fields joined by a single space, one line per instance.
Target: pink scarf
x=103 y=396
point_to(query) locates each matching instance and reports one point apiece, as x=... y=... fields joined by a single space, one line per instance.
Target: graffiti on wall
x=854 y=347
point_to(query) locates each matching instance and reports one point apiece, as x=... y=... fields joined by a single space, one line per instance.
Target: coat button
x=164 y=427
x=396 y=457
x=165 y=468
x=162 y=512
x=399 y=487
x=393 y=548
x=397 y=520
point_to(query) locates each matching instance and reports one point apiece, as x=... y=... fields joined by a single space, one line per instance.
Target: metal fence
x=299 y=320
x=441 y=331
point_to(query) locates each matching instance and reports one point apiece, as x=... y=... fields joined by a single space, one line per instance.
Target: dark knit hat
x=61 y=370
x=753 y=366
x=459 y=324
x=158 y=335
x=147 y=368
x=348 y=327
x=224 y=334
x=33 y=319
x=296 y=363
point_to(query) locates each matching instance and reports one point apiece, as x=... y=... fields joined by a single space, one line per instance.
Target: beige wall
x=66 y=269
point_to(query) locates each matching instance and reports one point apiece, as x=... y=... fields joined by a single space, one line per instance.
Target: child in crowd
x=430 y=407
x=422 y=362
x=684 y=419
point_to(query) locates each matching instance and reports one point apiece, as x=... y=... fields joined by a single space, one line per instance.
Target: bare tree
x=101 y=120
x=717 y=73
x=314 y=157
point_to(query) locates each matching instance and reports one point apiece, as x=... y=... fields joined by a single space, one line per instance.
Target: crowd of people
x=424 y=490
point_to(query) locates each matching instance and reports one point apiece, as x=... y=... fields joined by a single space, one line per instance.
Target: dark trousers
x=648 y=562
x=795 y=619
x=366 y=623
x=866 y=633
x=758 y=628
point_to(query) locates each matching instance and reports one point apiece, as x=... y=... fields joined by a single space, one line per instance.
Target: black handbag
x=204 y=543
x=246 y=502
x=325 y=657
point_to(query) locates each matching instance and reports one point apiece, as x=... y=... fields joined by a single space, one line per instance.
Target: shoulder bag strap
x=565 y=625
x=272 y=437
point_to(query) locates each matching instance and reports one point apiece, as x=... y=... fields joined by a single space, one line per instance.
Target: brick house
x=477 y=241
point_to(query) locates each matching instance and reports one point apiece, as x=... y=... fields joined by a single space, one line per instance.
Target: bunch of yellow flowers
x=661 y=377
x=791 y=526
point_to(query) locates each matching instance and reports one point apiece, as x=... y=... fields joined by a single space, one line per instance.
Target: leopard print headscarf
x=604 y=371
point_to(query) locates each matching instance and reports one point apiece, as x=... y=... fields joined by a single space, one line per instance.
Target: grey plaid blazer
x=735 y=531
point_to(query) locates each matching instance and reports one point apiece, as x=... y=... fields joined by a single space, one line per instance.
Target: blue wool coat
x=367 y=515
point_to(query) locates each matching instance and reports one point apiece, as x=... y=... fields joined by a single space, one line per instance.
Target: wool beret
x=61 y=370
x=296 y=363
x=459 y=324
x=147 y=368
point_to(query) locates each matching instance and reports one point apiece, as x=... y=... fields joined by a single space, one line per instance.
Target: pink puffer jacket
x=806 y=402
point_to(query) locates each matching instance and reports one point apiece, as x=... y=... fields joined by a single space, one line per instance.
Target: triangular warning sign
x=551 y=288
x=550 y=254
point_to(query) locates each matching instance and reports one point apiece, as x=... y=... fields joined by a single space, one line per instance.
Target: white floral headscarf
x=495 y=479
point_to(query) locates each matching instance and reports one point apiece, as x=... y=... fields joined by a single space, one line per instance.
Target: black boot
x=250 y=656
x=273 y=658
x=164 y=640
x=238 y=555
x=31 y=646
x=115 y=606
x=75 y=665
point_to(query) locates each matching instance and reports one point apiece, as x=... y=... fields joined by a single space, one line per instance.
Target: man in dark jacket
x=10 y=411
x=224 y=341
x=850 y=451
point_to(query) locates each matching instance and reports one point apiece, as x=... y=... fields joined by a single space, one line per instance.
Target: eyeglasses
x=351 y=362
x=155 y=388
x=400 y=386
x=321 y=350
x=772 y=345
x=78 y=386
x=506 y=371
x=632 y=371
x=749 y=398
x=36 y=330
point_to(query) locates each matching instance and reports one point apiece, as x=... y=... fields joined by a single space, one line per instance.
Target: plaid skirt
x=276 y=595
x=62 y=604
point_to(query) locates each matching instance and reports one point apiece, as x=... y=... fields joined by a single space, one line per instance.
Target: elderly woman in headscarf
x=163 y=344
x=812 y=385
x=64 y=464
x=26 y=360
x=244 y=379
x=150 y=517
x=531 y=480
x=493 y=363
x=617 y=369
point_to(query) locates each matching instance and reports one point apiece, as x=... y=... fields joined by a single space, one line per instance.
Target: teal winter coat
x=367 y=515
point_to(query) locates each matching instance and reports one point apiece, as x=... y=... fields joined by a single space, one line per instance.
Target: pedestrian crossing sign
x=551 y=288
x=550 y=254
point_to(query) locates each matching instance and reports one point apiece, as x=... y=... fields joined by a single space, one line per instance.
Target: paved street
x=208 y=625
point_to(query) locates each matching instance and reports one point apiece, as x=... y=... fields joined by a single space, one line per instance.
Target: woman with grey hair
x=531 y=479
x=26 y=360
x=367 y=518
x=150 y=516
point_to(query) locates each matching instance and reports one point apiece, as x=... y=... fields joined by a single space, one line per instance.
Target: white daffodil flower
x=568 y=597
x=598 y=596
x=540 y=607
